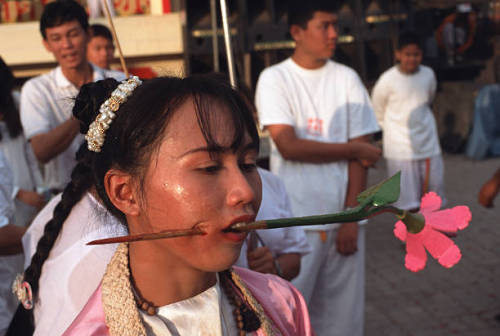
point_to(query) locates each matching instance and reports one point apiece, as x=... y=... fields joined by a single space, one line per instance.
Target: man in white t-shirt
x=319 y=116
x=47 y=100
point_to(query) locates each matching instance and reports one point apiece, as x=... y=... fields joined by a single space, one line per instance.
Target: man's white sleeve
x=379 y=100
x=271 y=100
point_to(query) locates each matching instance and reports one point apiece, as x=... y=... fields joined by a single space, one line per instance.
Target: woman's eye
x=248 y=167
x=210 y=169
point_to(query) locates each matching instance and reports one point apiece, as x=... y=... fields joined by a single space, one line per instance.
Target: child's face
x=409 y=57
x=100 y=51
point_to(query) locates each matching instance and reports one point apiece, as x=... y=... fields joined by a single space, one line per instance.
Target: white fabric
x=6 y=186
x=333 y=286
x=276 y=204
x=412 y=178
x=402 y=106
x=183 y=317
x=46 y=102
x=96 y=8
x=8 y=264
x=329 y=104
x=26 y=174
x=74 y=270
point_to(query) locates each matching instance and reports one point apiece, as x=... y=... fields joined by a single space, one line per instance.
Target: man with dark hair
x=46 y=100
x=319 y=117
x=100 y=49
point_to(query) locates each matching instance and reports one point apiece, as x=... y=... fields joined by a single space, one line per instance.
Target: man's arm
x=10 y=239
x=347 y=235
x=47 y=146
x=296 y=149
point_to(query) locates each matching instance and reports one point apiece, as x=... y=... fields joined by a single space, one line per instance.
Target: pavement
x=437 y=301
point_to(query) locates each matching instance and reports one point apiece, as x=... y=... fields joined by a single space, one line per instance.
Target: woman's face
x=186 y=185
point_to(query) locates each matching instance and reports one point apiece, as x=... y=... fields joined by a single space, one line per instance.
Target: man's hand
x=31 y=198
x=261 y=260
x=366 y=153
x=347 y=238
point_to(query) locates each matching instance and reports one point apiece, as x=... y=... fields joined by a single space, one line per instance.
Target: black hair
x=300 y=12
x=132 y=138
x=62 y=11
x=407 y=38
x=100 y=30
x=7 y=106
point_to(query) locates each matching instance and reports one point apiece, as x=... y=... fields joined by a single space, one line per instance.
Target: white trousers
x=412 y=180
x=333 y=285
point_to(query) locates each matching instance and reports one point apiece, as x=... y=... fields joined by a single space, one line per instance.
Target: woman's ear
x=121 y=192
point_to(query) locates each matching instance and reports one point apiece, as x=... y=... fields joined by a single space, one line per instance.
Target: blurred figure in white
x=276 y=251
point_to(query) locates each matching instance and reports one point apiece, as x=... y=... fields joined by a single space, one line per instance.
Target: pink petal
x=430 y=202
x=450 y=257
x=449 y=220
x=400 y=231
x=441 y=247
x=416 y=257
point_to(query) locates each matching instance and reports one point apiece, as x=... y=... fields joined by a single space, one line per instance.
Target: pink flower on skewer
x=431 y=237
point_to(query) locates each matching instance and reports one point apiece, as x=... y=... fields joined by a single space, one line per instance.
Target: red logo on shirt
x=314 y=126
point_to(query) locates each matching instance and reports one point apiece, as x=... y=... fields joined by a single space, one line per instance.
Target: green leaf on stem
x=383 y=193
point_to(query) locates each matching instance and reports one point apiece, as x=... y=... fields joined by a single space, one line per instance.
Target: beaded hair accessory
x=97 y=129
x=22 y=290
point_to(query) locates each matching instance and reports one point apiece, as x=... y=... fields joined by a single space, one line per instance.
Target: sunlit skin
x=315 y=44
x=185 y=187
x=409 y=58
x=100 y=51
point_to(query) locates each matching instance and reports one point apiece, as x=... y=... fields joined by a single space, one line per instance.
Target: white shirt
x=6 y=204
x=46 y=102
x=276 y=204
x=73 y=270
x=402 y=106
x=26 y=174
x=329 y=104
x=183 y=317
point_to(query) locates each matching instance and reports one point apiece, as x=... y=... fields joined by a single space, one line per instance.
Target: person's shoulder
x=341 y=68
x=343 y=72
x=274 y=285
x=118 y=75
x=427 y=71
x=40 y=81
x=276 y=70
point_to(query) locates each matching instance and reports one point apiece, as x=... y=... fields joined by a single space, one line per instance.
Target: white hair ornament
x=97 y=129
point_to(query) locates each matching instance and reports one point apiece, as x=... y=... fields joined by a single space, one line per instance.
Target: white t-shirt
x=402 y=106
x=73 y=270
x=46 y=102
x=276 y=204
x=329 y=104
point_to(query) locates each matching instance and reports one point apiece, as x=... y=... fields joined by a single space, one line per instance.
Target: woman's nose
x=240 y=189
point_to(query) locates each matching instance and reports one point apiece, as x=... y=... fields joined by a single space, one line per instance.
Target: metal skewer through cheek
x=149 y=236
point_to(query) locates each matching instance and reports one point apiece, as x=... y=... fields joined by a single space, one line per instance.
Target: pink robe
x=282 y=302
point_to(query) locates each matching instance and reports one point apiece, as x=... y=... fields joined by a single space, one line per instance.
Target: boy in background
x=100 y=49
x=401 y=99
